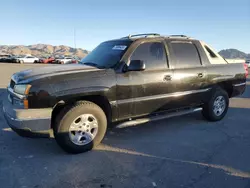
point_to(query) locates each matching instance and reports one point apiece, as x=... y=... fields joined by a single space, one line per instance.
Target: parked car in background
x=248 y=62
x=71 y=60
x=13 y=59
x=10 y=59
x=66 y=60
x=4 y=58
x=76 y=60
x=47 y=60
x=27 y=59
x=128 y=81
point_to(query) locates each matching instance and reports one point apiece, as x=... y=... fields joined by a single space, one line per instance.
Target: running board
x=156 y=118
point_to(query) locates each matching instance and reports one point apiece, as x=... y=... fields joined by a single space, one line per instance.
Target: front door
x=145 y=92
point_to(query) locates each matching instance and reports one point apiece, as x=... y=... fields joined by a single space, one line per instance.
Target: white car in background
x=27 y=59
x=65 y=60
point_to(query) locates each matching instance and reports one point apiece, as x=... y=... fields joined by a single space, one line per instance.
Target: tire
x=35 y=61
x=66 y=138
x=21 y=62
x=210 y=112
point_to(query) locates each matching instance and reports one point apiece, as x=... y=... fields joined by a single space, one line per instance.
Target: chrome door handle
x=167 y=78
x=200 y=75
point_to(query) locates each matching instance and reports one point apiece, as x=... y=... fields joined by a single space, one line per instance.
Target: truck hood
x=31 y=74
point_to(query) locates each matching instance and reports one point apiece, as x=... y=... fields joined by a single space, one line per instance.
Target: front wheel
x=217 y=106
x=80 y=127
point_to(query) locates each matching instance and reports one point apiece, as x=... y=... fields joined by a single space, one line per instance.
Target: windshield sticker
x=119 y=47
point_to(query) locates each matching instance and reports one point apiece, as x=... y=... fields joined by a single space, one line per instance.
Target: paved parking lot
x=178 y=152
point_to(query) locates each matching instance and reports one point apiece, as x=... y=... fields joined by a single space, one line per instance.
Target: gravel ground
x=183 y=151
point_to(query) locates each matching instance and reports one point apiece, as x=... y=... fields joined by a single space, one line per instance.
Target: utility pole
x=75 y=37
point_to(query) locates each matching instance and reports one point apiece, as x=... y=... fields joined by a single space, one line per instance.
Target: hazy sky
x=220 y=23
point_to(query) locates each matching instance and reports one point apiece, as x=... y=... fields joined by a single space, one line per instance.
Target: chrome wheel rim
x=83 y=129
x=219 y=105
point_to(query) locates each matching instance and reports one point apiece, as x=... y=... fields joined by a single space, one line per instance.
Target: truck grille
x=12 y=84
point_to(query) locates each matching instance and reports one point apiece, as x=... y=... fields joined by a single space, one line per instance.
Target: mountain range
x=234 y=54
x=42 y=50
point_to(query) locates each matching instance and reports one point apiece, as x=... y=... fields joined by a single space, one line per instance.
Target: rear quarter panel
x=235 y=73
x=231 y=75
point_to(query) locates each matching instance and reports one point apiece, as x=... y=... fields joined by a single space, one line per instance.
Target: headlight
x=22 y=89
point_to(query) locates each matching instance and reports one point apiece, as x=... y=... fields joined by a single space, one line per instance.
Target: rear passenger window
x=186 y=55
x=152 y=54
x=210 y=52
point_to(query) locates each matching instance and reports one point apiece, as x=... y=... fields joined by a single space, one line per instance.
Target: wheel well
x=97 y=99
x=227 y=87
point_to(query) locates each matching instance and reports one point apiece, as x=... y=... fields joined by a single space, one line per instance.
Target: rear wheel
x=80 y=127
x=217 y=107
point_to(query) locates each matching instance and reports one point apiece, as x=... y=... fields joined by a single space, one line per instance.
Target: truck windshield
x=107 y=54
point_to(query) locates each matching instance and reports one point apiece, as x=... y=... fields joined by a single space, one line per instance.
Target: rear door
x=145 y=92
x=190 y=76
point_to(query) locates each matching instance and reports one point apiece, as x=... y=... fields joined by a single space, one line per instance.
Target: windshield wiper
x=94 y=65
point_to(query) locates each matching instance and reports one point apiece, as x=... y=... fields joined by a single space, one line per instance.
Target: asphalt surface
x=183 y=151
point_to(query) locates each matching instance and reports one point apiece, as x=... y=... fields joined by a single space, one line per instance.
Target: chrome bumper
x=28 y=122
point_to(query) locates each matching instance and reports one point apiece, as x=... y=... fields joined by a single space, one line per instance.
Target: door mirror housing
x=136 y=65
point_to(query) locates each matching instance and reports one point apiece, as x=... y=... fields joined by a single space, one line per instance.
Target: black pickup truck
x=127 y=81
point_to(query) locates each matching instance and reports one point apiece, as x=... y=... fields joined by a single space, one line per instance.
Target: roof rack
x=178 y=36
x=145 y=35
x=148 y=35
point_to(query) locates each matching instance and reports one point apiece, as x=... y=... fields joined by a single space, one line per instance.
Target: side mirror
x=136 y=65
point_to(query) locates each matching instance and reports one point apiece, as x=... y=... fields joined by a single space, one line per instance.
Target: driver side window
x=153 y=54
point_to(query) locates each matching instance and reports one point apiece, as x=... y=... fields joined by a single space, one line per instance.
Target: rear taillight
x=246 y=69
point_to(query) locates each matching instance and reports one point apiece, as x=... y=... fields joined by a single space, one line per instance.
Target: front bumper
x=28 y=122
